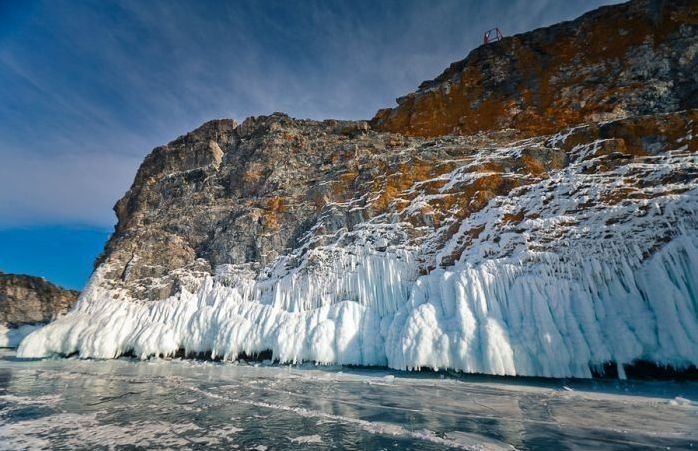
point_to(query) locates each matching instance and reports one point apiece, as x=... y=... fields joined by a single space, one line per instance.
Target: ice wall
x=544 y=318
x=552 y=318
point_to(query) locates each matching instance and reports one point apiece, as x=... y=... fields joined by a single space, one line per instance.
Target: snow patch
x=307 y=439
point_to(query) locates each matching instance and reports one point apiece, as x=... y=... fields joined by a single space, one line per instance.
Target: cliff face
x=275 y=188
x=483 y=251
x=618 y=61
x=328 y=242
x=248 y=196
x=26 y=302
x=31 y=300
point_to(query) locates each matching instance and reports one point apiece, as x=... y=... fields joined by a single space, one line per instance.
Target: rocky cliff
x=617 y=61
x=27 y=301
x=487 y=250
x=30 y=300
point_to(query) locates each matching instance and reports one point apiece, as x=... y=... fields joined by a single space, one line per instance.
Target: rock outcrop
x=520 y=246
x=618 y=61
x=26 y=302
x=30 y=300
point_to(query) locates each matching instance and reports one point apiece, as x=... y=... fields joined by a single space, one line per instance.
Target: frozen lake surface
x=189 y=404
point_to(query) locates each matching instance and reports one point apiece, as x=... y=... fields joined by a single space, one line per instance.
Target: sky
x=89 y=87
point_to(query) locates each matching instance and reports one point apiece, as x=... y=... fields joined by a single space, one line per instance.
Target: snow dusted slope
x=547 y=257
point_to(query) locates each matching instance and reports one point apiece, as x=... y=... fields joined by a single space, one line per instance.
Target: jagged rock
x=270 y=183
x=618 y=61
x=27 y=302
x=30 y=300
x=487 y=250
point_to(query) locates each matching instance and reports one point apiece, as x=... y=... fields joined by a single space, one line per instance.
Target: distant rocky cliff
x=617 y=61
x=30 y=300
x=523 y=222
x=26 y=302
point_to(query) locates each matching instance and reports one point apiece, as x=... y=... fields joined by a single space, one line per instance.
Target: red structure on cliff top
x=493 y=35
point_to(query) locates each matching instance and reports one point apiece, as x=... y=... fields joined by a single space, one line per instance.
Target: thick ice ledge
x=534 y=315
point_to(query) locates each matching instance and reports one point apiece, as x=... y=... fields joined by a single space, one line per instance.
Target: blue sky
x=87 y=88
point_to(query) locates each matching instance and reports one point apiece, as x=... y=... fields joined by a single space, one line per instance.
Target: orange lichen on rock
x=571 y=73
x=274 y=209
x=403 y=177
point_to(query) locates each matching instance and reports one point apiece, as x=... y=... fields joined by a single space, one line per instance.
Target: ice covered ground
x=599 y=264
x=71 y=403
